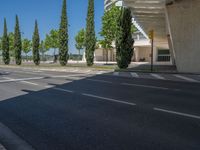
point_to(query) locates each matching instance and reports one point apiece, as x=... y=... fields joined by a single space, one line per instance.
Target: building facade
x=176 y=24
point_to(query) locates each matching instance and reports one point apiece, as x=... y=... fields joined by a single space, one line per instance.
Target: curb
x=11 y=141
x=158 y=72
x=2 y=147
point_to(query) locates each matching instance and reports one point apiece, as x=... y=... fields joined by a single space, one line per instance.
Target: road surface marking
x=100 y=72
x=49 y=86
x=29 y=83
x=134 y=75
x=177 y=113
x=76 y=70
x=94 y=80
x=11 y=79
x=64 y=90
x=147 y=86
x=19 y=80
x=116 y=73
x=37 y=71
x=108 y=99
x=88 y=71
x=186 y=78
x=157 y=76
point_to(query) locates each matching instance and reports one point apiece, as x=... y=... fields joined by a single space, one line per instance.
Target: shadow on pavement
x=52 y=119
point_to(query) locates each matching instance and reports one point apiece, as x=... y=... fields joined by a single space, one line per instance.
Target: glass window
x=164 y=55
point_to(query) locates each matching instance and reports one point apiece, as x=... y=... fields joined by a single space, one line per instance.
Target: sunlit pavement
x=51 y=110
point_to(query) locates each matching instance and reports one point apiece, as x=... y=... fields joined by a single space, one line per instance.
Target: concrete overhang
x=150 y=15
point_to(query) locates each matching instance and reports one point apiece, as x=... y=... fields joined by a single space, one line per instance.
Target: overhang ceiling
x=150 y=14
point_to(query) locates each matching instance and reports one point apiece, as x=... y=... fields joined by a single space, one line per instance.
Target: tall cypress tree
x=90 y=39
x=17 y=43
x=36 y=45
x=63 y=36
x=124 y=40
x=5 y=45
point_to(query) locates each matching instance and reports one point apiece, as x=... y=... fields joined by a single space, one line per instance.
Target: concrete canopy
x=149 y=14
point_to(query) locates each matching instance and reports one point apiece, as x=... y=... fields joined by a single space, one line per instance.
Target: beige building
x=176 y=24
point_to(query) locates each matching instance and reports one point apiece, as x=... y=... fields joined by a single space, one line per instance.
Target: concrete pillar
x=184 y=25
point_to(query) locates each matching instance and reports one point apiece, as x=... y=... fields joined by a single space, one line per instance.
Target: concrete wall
x=184 y=25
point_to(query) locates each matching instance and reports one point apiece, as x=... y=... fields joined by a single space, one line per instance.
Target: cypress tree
x=63 y=36
x=5 y=45
x=124 y=40
x=90 y=39
x=17 y=43
x=36 y=45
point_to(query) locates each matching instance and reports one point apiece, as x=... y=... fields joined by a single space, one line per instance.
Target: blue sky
x=48 y=12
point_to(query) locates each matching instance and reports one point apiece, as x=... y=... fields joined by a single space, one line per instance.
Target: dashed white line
x=64 y=90
x=157 y=76
x=95 y=80
x=134 y=75
x=49 y=86
x=116 y=73
x=177 y=113
x=100 y=72
x=108 y=99
x=21 y=79
x=186 y=78
x=31 y=83
x=146 y=86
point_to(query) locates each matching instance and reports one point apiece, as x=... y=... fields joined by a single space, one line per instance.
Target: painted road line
x=49 y=86
x=31 y=83
x=63 y=90
x=108 y=99
x=157 y=76
x=116 y=73
x=102 y=81
x=19 y=80
x=148 y=86
x=100 y=72
x=177 y=113
x=186 y=78
x=76 y=70
x=37 y=71
x=22 y=81
x=134 y=75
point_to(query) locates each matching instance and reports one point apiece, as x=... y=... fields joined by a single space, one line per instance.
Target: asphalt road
x=72 y=111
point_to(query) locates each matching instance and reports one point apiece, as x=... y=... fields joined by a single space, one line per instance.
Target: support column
x=184 y=25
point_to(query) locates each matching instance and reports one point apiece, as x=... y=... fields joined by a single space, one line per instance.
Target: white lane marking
x=147 y=86
x=177 y=113
x=21 y=79
x=49 y=86
x=76 y=70
x=63 y=90
x=108 y=99
x=100 y=72
x=186 y=78
x=88 y=71
x=157 y=76
x=37 y=71
x=94 y=80
x=116 y=73
x=134 y=75
x=7 y=78
x=31 y=83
